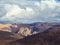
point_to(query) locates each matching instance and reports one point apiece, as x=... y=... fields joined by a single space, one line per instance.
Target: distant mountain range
x=29 y=29
x=30 y=34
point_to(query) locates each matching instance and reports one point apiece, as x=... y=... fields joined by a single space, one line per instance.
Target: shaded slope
x=51 y=37
x=6 y=37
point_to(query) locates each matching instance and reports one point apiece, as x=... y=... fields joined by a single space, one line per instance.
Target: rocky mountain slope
x=51 y=37
x=28 y=29
x=30 y=34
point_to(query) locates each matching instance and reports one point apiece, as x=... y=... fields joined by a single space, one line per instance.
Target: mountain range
x=30 y=34
x=29 y=29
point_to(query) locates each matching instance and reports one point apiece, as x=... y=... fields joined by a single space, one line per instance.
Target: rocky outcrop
x=25 y=31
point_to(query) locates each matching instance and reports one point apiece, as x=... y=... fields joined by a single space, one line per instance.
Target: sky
x=29 y=11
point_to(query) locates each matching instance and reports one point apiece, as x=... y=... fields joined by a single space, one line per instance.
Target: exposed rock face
x=25 y=31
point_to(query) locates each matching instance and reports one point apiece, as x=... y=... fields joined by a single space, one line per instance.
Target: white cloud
x=30 y=9
x=37 y=4
x=46 y=8
x=15 y=12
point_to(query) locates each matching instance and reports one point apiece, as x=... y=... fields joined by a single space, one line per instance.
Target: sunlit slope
x=7 y=27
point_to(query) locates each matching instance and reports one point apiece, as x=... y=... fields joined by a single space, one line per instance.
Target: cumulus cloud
x=29 y=11
x=48 y=8
x=14 y=12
